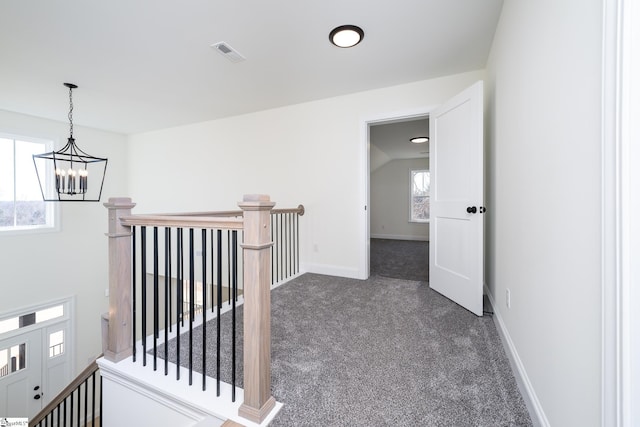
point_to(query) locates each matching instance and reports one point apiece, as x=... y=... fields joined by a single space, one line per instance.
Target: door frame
x=364 y=267
x=70 y=341
x=620 y=234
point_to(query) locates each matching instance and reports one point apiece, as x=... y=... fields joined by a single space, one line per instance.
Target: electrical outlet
x=508 y=298
x=315 y=247
x=106 y=292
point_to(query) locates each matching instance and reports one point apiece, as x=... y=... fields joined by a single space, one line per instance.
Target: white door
x=456 y=265
x=20 y=375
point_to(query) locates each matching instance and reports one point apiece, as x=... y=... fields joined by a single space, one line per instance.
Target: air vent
x=228 y=52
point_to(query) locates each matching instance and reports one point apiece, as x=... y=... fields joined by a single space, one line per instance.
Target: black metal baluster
x=93 y=397
x=167 y=281
x=156 y=325
x=233 y=315
x=64 y=415
x=287 y=250
x=79 y=404
x=58 y=419
x=191 y=302
x=133 y=290
x=219 y=305
x=182 y=278
x=293 y=242
x=290 y=215
x=204 y=308
x=271 y=252
x=275 y=246
x=71 y=410
x=178 y=298
x=229 y=265
x=297 y=245
x=212 y=274
x=281 y=247
x=86 y=400
x=143 y=279
x=240 y=259
x=101 y=413
x=285 y=247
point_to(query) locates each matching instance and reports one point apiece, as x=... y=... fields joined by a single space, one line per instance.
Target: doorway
x=35 y=357
x=456 y=220
x=398 y=197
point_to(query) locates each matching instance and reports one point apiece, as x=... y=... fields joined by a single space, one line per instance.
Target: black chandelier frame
x=70 y=165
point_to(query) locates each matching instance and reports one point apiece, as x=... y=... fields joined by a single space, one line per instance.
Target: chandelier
x=70 y=174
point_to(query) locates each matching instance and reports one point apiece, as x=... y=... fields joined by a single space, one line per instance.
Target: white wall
x=37 y=268
x=544 y=198
x=309 y=153
x=390 y=201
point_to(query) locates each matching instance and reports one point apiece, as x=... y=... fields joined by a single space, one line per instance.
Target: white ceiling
x=147 y=64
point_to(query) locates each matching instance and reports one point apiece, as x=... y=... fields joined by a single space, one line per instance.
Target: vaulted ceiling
x=148 y=64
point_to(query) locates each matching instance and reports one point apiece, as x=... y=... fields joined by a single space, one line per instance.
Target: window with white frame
x=420 y=184
x=21 y=204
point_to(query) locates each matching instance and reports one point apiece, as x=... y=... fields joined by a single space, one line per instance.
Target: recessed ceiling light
x=346 y=35
x=420 y=139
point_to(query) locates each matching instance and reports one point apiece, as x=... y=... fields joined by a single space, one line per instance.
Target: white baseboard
x=536 y=412
x=399 y=237
x=331 y=270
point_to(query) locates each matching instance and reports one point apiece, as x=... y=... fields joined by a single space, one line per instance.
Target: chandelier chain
x=70 y=113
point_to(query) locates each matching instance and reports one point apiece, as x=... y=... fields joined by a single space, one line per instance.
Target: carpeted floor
x=400 y=259
x=379 y=352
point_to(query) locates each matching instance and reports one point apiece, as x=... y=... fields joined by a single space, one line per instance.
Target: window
x=56 y=343
x=420 y=183
x=31 y=318
x=12 y=359
x=21 y=204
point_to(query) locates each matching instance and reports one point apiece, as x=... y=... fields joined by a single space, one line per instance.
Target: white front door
x=456 y=254
x=20 y=375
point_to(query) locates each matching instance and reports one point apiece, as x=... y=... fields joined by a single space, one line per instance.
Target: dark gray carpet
x=379 y=352
x=400 y=259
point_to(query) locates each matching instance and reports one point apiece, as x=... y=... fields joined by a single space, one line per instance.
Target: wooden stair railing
x=254 y=220
x=56 y=402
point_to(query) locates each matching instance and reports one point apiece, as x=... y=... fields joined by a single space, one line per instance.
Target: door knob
x=36 y=397
x=483 y=209
x=472 y=209
x=36 y=388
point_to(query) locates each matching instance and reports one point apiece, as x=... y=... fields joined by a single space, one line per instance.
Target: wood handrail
x=299 y=210
x=228 y=220
x=238 y=213
x=183 y=221
x=82 y=377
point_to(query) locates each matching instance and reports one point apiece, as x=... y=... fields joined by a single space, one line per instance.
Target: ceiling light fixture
x=64 y=175
x=346 y=36
x=419 y=139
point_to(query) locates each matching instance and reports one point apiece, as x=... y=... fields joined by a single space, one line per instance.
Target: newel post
x=119 y=335
x=258 y=401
